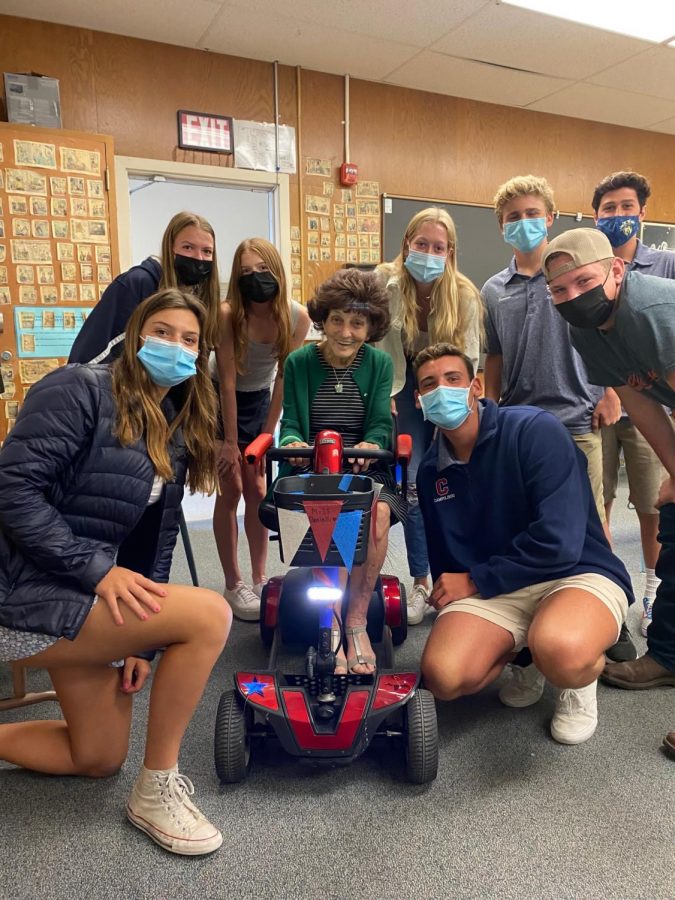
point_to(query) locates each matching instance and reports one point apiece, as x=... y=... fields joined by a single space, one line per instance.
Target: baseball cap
x=584 y=245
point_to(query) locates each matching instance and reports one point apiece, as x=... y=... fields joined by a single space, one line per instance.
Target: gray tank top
x=260 y=364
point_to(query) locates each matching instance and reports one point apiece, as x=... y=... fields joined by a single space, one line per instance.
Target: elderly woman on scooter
x=344 y=384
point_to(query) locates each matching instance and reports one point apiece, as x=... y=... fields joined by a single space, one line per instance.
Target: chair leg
x=188 y=549
x=22 y=697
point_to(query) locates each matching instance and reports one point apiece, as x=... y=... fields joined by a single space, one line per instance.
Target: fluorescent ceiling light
x=649 y=20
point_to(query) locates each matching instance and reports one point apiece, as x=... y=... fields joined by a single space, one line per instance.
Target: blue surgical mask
x=619 y=229
x=525 y=234
x=168 y=363
x=424 y=267
x=446 y=407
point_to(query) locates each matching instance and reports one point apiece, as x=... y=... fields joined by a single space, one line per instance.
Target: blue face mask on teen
x=446 y=407
x=424 y=267
x=525 y=234
x=168 y=363
x=619 y=229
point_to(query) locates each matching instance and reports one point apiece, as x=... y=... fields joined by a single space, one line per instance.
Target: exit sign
x=203 y=131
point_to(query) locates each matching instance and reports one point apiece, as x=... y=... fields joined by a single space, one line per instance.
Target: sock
x=651 y=584
x=524 y=659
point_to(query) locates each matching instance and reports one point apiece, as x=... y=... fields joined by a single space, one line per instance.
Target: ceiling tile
x=418 y=24
x=476 y=81
x=666 y=127
x=294 y=42
x=153 y=20
x=536 y=43
x=602 y=104
x=652 y=73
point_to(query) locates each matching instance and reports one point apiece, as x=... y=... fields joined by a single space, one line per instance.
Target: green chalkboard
x=481 y=250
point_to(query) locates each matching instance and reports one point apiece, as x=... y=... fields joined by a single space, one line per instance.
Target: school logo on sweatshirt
x=443 y=491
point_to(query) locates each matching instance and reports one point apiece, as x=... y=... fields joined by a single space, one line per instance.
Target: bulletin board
x=58 y=249
x=340 y=226
x=481 y=249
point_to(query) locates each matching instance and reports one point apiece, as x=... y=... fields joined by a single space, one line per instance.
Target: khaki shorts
x=643 y=467
x=591 y=444
x=515 y=611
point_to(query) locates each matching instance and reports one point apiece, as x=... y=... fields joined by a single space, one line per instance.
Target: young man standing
x=516 y=548
x=520 y=326
x=619 y=204
x=623 y=325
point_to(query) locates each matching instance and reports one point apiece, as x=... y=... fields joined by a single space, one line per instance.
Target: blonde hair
x=281 y=308
x=208 y=291
x=521 y=186
x=455 y=300
x=139 y=414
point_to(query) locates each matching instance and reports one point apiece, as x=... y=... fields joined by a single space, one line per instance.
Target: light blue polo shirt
x=540 y=367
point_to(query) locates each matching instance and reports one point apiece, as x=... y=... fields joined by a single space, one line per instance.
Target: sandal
x=360 y=658
x=336 y=647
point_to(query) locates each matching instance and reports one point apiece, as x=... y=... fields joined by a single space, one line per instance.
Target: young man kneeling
x=516 y=548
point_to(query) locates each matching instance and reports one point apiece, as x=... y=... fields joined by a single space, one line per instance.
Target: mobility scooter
x=323 y=521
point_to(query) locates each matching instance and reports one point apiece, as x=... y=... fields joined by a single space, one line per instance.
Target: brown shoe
x=638 y=674
x=669 y=743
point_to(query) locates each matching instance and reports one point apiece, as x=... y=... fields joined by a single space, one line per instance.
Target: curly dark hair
x=353 y=290
x=621 y=180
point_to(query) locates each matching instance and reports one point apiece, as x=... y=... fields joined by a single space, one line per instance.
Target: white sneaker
x=160 y=805
x=417 y=604
x=647 y=606
x=245 y=602
x=524 y=688
x=257 y=588
x=576 y=715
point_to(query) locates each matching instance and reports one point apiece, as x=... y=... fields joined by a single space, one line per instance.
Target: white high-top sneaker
x=576 y=715
x=160 y=805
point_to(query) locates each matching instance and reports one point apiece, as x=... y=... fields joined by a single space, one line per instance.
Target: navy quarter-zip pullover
x=519 y=512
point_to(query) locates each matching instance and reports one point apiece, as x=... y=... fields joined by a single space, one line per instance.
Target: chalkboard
x=481 y=250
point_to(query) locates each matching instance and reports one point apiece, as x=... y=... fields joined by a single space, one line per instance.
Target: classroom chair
x=21 y=696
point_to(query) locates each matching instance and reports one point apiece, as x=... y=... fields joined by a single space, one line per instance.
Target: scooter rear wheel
x=421 y=737
x=232 y=747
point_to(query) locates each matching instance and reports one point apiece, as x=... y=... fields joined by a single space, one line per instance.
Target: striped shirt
x=338 y=404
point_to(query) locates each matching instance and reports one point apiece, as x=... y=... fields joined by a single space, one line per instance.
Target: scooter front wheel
x=421 y=737
x=232 y=747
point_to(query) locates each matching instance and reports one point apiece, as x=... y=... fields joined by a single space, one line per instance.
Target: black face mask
x=191 y=271
x=258 y=287
x=589 y=310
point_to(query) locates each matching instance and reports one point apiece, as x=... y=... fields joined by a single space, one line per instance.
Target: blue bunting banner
x=346 y=534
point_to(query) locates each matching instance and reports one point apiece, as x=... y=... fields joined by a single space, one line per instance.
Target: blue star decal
x=254 y=687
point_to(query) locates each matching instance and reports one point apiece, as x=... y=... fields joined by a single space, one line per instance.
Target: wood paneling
x=413 y=143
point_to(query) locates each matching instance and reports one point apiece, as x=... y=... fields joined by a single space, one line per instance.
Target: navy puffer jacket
x=70 y=497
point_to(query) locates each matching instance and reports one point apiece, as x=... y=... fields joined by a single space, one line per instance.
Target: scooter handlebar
x=403 y=447
x=258 y=448
x=262 y=445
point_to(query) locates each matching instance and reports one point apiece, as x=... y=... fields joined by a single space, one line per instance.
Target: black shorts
x=252 y=409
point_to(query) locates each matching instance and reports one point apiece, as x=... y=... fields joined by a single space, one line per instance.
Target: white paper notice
x=255 y=147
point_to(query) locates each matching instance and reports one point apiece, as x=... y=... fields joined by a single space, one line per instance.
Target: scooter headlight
x=324 y=594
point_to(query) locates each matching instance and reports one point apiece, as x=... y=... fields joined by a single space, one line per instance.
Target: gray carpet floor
x=512 y=814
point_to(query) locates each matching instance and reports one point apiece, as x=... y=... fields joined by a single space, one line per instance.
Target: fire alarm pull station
x=349 y=174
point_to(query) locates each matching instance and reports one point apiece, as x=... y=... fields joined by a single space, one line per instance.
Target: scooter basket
x=355 y=493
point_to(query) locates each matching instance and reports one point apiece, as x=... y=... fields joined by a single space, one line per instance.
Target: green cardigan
x=304 y=375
